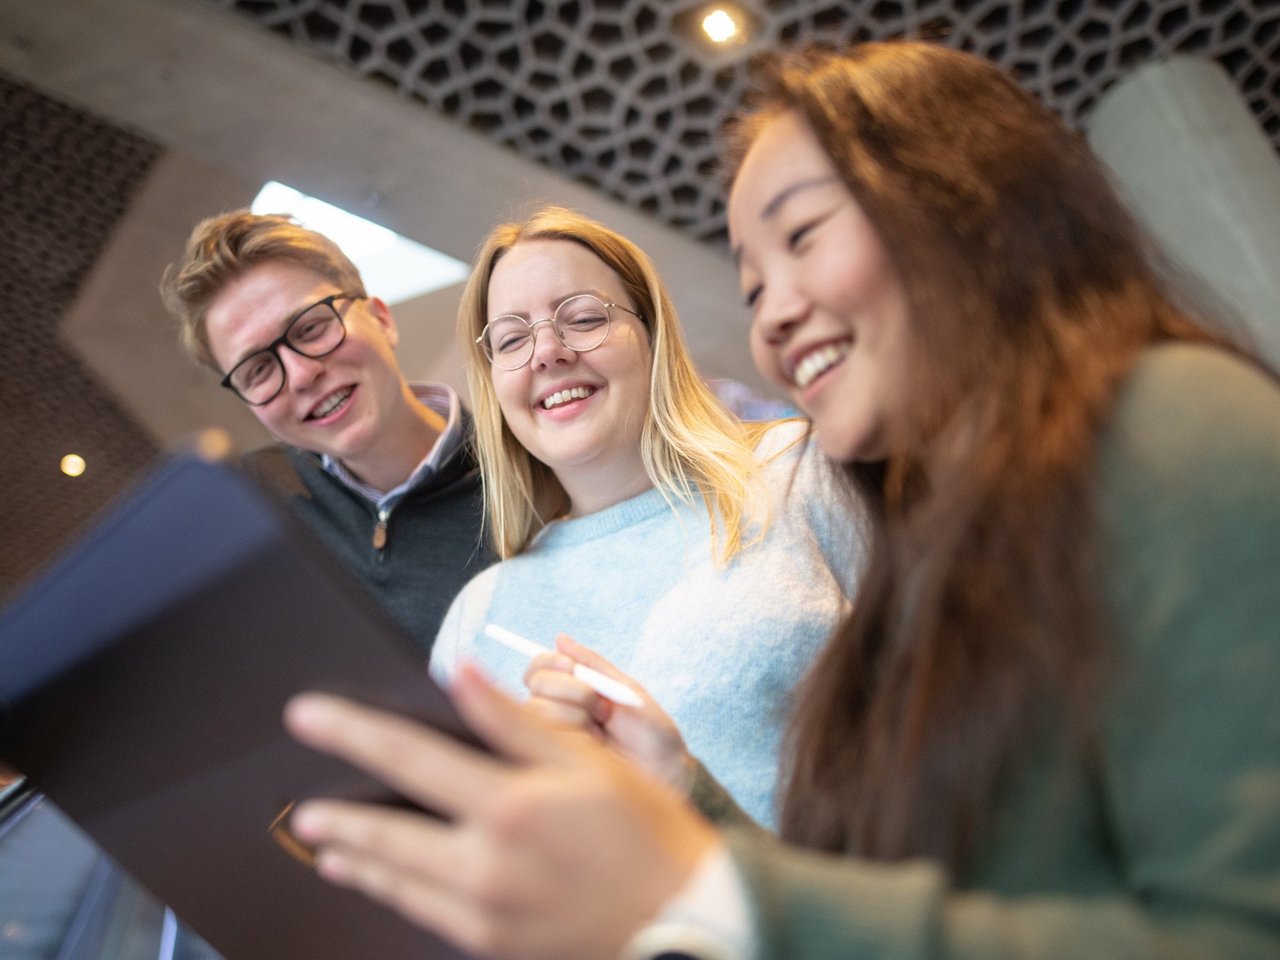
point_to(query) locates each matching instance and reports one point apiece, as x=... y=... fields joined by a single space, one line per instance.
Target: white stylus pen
x=597 y=681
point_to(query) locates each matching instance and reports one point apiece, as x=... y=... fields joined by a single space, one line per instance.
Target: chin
x=844 y=446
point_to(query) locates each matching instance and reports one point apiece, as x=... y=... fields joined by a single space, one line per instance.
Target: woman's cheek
x=767 y=360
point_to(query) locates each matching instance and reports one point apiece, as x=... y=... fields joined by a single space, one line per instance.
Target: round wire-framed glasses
x=581 y=323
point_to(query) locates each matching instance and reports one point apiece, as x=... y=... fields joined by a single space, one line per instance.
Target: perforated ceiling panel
x=622 y=95
x=65 y=179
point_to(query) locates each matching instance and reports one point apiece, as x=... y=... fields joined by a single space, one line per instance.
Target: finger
x=565 y=687
x=409 y=840
x=457 y=855
x=570 y=647
x=438 y=908
x=502 y=723
x=426 y=766
x=553 y=662
x=570 y=690
x=558 y=714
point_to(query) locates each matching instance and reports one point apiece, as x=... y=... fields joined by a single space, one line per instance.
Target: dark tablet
x=141 y=687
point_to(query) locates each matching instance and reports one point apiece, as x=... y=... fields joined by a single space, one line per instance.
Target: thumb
x=504 y=724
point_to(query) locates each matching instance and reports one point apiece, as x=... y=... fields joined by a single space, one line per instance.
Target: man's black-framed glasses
x=580 y=322
x=314 y=332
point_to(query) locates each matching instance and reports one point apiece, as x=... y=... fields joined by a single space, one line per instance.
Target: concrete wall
x=1205 y=180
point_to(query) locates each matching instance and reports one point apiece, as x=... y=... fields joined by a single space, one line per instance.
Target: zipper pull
x=380 y=530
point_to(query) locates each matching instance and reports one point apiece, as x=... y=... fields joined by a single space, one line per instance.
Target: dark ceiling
x=623 y=95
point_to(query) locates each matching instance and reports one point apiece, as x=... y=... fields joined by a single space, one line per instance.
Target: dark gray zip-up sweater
x=415 y=561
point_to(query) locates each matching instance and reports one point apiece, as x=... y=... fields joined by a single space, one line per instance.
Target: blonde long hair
x=691 y=445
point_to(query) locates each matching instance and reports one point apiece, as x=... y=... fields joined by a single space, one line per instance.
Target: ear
x=381 y=313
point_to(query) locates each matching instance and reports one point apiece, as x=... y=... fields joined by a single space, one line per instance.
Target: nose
x=548 y=348
x=781 y=308
x=299 y=371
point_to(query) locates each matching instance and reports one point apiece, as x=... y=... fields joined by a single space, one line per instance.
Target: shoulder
x=464 y=619
x=281 y=468
x=1184 y=389
x=1193 y=418
x=1188 y=498
x=789 y=456
x=271 y=456
x=796 y=468
x=781 y=438
x=472 y=601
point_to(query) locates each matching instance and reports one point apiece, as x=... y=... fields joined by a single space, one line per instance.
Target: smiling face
x=829 y=314
x=581 y=414
x=348 y=404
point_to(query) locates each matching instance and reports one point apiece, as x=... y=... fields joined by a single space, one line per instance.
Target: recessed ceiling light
x=394 y=268
x=72 y=465
x=720 y=25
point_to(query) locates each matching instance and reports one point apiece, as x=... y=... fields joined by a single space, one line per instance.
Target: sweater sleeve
x=715 y=803
x=1189 y=508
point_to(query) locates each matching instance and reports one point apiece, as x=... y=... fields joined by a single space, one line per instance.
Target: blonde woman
x=707 y=558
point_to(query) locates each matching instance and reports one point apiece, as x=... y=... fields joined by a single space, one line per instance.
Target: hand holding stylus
x=615 y=690
x=645 y=735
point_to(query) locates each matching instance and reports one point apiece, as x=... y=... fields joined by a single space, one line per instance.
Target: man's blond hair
x=222 y=248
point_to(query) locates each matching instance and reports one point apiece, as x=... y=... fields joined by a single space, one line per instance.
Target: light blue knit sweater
x=719 y=647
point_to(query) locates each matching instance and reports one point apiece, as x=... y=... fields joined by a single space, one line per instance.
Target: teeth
x=331 y=404
x=818 y=361
x=564 y=396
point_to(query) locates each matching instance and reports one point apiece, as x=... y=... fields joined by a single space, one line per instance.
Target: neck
x=592 y=489
x=401 y=447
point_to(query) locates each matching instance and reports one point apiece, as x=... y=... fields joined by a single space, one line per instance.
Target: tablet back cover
x=142 y=681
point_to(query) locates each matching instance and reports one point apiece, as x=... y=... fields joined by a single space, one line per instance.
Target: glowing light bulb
x=73 y=465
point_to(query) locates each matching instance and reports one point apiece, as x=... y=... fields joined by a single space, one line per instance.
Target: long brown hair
x=1031 y=294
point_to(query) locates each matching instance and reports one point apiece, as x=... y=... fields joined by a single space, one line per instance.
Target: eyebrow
x=592 y=291
x=288 y=321
x=771 y=208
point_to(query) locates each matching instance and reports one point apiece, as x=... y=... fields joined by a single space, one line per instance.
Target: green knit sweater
x=1171 y=849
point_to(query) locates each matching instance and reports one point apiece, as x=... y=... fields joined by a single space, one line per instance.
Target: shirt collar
x=439 y=397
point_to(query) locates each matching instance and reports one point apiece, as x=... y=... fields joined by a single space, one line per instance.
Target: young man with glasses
x=378 y=467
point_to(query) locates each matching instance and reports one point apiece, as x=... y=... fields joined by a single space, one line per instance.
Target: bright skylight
x=393 y=267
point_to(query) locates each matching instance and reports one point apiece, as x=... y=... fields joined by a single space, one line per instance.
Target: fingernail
x=308 y=712
x=307 y=822
x=601 y=710
x=332 y=866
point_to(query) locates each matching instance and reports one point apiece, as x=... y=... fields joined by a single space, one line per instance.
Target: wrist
x=675 y=940
x=683 y=772
x=707 y=919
